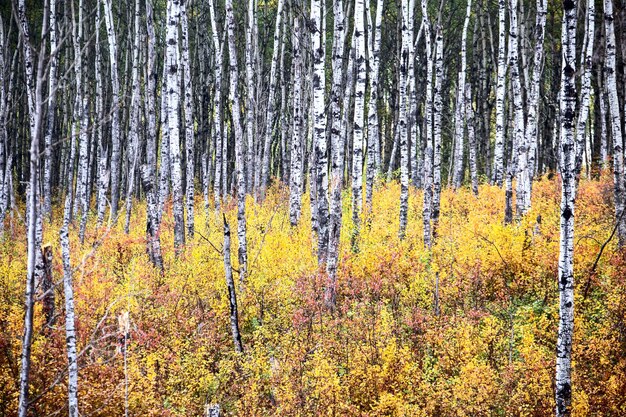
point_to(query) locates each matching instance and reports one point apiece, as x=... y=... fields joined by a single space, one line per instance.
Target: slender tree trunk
x=373 y=127
x=319 y=129
x=532 y=131
x=271 y=103
x=563 y=391
x=52 y=89
x=34 y=87
x=239 y=154
x=103 y=172
x=173 y=106
x=250 y=99
x=115 y=117
x=189 y=124
x=459 y=120
x=134 y=148
x=402 y=118
x=585 y=85
x=428 y=131
x=337 y=153
x=437 y=114
x=519 y=131
x=217 y=110
x=230 y=283
x=615 y=118
x=498 y=158
x=471 y=139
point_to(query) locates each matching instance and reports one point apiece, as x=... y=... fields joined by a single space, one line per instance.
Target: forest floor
x=382 y=352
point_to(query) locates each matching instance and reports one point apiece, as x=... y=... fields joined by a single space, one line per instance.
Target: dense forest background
x=312 y=207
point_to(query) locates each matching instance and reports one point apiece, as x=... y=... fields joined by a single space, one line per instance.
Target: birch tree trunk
x=133 y=149
x=337 y=153
x=615 y=118
x=34 y=87
x=532 y=132
x=52 y=89
x=230 y=283
x=402 y=118
x=319 y=128
x=428 y=131
x=295 y=180
x=437 y=114
x=271 y=102
x=189 y=125
x=250 y=99
x=173 y=106
x=498 y=158
x=563 y=391
x=103 y=173
x=459 y=121
x=521 y=146
x=115 y=117
x=585 y=86
x=373 y=128
x=471 y=139
x=217 y=109
x=239 y=154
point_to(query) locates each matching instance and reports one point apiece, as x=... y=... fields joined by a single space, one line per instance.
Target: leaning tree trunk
x=498 y=157
x=615 y=118
x=563 y=381
x=459 y=120
x=239 y=153
x=173 y=106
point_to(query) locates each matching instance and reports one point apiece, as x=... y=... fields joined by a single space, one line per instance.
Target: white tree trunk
x=295 y=171
x=459 y=120
x=532 y=131
x=250 y=99
x=173 y=106
x=585 y=85
x=428 y=131
x=230 y=283
x=403 y=110
x=52 y=89
x=133 y=148
x=115 y=117
x=271 y=103
x=615 y=118
x=239 y=152
x=337 y=152
x=217 y=109
x=519 y=127
x=189 y=125
x=498 y=158
x=319 y=128
x=437 y=114
x=373 y=127
x=103 y=173
x=563 y=389
x=471 y=139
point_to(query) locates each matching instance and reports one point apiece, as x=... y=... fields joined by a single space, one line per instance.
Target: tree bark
x=498 y=158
